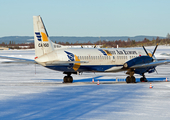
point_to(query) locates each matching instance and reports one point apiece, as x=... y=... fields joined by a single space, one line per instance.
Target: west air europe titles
x=122 y=52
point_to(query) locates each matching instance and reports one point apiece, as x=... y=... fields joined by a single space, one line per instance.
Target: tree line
x=104 y=43
x=123 y=43
x=13 y=45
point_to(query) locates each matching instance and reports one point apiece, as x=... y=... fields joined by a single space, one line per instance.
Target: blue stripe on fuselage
x=68 y=68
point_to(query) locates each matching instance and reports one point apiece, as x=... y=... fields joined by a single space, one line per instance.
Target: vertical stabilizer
x=43 y=44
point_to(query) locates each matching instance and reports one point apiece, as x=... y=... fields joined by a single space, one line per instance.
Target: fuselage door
x=113 y=58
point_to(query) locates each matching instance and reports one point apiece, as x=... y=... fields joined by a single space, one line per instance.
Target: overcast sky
x=86 y=17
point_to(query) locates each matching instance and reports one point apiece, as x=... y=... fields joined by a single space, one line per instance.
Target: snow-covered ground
x=34 y=92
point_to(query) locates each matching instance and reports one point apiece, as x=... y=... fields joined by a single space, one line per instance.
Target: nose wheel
x=143 y=79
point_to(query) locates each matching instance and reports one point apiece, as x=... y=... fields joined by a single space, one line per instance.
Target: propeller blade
x=154 y=50
x=156 y=71
x=145 y=50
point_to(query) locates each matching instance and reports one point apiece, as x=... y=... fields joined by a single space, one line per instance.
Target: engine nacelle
x=140 y=60
x=137 y=61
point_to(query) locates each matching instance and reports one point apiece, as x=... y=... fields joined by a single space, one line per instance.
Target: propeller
x=95 y=46
x=145 y=50
x=151 y=55
x=154 y=50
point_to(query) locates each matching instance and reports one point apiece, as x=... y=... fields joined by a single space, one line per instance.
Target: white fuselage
x=107 y=60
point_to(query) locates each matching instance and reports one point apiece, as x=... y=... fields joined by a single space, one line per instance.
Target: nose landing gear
x=143 y=79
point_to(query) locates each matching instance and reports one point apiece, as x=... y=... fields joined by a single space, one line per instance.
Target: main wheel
x=133 y=79
x=70 y=79
x=128 y=79
x=65 y=79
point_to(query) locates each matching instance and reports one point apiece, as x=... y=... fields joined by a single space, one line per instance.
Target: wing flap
x=64 y=62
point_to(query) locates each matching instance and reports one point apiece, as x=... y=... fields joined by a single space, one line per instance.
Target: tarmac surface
x=34 y=92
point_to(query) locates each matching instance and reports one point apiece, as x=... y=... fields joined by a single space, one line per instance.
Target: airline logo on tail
x=38 y=36
x=43 y=35
x=44 y=39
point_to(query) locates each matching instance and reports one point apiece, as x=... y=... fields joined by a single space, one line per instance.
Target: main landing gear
x=130 y=78
x=68 y=78
x=143 y=79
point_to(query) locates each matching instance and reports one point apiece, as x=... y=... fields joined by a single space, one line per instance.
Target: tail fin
x=43 y=44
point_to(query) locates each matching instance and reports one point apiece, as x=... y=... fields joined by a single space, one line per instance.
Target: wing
x=30 y=61
x=18 y=60
x=151 y=64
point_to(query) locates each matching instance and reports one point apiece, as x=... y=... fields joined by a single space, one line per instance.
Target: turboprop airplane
x=78 y=60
